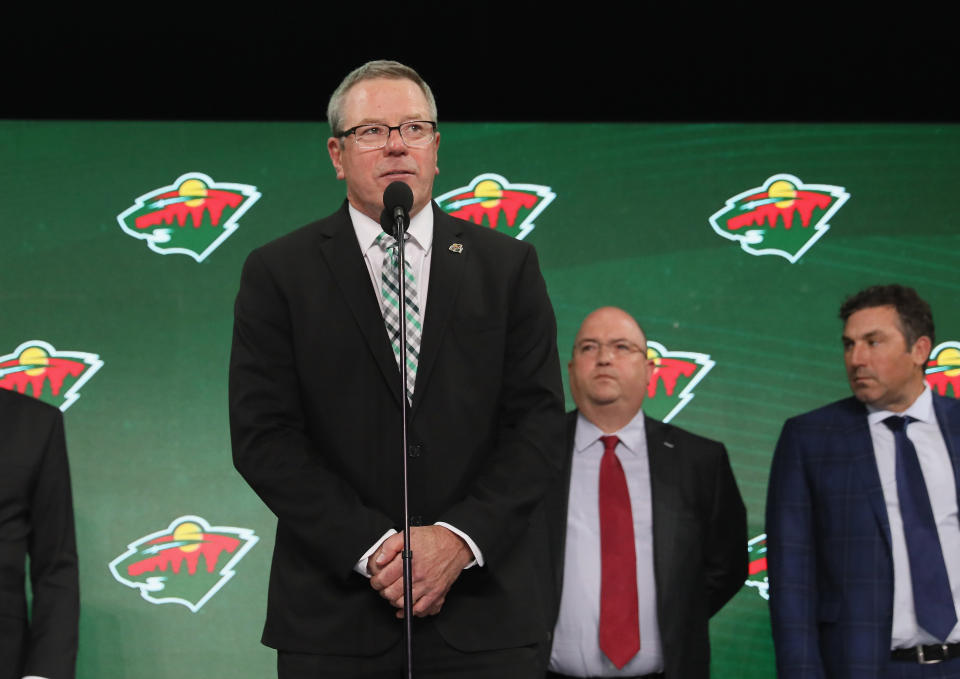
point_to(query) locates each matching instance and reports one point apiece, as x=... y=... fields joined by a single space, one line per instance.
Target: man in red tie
x=654 y=541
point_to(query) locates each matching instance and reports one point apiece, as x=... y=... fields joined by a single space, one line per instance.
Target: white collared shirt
x=417 y=252
x=941 y=487
x=576 y=647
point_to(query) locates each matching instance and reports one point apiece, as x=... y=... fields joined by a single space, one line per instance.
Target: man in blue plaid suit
x=863 y=542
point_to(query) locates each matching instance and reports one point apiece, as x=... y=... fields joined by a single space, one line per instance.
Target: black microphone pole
x=398 y=199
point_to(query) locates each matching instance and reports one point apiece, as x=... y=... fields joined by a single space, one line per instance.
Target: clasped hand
x=439 y=556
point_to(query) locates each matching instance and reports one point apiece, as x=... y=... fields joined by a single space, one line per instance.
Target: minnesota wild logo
x=36 y=369
x=186 y=563
x=783 y=217
x=757 y=569
x=192 y=216
x=493 y=201
x=943 y=369
x=674 y=377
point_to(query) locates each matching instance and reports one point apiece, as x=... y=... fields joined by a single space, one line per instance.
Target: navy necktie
x=932 y=597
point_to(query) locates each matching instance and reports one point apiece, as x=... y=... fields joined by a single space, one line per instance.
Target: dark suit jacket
x=315 y=422
x=828 y=543
x=699 y=539
x=36 y=517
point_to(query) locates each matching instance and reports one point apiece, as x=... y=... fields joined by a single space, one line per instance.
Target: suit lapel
x=948 y=417
x=558 y=500
x=662 y=485
x=856 y=439
x=342 y=254
x=446 y=274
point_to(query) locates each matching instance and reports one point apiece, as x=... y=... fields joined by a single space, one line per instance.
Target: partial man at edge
x=863 y=541
x=36 y=520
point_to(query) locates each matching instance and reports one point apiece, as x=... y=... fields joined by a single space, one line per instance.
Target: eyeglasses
x=415 y=133
x=619 y=348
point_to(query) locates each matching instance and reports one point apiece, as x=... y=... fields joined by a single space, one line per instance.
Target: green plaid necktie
x=390 y=287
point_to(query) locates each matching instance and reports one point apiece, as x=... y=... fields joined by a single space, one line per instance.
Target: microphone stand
x=407 y=554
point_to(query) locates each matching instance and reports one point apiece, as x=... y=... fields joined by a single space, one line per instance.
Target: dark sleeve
x=52 y=547
x=791 y=561
x=726 y=555
x=529 y=441
x=271 y=449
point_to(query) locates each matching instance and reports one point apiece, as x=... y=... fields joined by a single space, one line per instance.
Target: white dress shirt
x=417 y=253
x=576 y=647
x=418 y=250
x=941 y=487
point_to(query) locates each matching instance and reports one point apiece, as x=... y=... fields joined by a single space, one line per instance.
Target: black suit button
x=416 y=520
x=415 y=449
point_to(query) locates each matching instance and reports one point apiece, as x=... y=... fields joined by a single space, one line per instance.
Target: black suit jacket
x=315 y=422
x=36 y=517
x=699 y=539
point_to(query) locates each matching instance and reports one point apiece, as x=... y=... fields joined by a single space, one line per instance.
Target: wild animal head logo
x=37 y=369
x=757 y=569
x=674 y=377
x=943 y=369
x=192 y=216
x=493 y=201
x=186 y=563
x=783 y=217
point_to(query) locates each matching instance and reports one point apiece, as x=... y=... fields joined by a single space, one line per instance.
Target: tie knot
x=386 y=241
x=898 y=423
x=609 y=443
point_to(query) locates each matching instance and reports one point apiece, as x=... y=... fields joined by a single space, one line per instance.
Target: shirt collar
x=633 y=436
x=367 y=230
x=921 y=409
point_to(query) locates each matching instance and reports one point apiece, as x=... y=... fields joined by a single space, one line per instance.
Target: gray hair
x=382 y=68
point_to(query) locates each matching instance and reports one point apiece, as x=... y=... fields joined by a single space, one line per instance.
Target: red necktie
x=619 y=618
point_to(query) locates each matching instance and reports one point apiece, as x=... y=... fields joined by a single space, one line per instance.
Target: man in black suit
x=655 y=537
x=315 y=403
x=36 y=518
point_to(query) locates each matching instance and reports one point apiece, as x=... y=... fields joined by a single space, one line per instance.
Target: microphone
x=397 y=201
x=395 y=218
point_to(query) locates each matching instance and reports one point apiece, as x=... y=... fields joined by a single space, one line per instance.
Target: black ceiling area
x=646 y=61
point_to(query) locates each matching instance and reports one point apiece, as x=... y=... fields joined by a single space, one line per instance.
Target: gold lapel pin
x=456 y=247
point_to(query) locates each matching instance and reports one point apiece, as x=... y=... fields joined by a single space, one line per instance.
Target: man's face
x=369 y=171
x=882 y=370
x=609 y=364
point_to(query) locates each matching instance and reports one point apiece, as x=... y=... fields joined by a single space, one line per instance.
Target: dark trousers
x=433 y=658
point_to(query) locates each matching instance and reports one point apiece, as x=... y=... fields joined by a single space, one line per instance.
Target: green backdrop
x=137 y=342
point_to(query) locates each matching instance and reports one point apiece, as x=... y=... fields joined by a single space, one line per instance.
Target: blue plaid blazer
x=828 y=543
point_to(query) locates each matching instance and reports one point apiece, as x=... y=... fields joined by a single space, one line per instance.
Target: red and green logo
x=675 y=375
x=757 y=568
x=783 y=217
x=943 y=369
x=36 y=369
x=492 y=201
x=186 y=563
x=192 y=216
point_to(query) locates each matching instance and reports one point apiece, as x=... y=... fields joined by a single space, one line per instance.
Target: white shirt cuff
x=361 y=565
x=477 y=554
